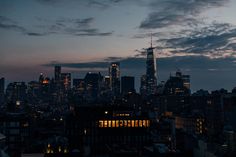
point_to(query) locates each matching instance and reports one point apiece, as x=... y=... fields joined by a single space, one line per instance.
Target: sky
x=196 y=36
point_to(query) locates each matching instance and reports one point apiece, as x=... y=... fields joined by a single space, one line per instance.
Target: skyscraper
x=92 y=85
x=57 y=73
x=143 y=85
x=127 y=84
x=177 y=85
x=114 y=73
x=2 y=84
x=151 y=74
x=16 y=91
x=66 y=81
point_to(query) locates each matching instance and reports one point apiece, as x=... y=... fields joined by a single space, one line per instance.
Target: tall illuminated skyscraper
x=114 y=73
x=151 y=73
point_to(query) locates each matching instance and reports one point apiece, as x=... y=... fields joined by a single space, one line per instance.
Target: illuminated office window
x=140 y=123
x=105 y=123
x=117 y=123
x=100 y=123
x=121 y=123
x=136 y=123
x=113 y=123
x=132 y=122
x=144 y=123
x=125 y=123
x=109 y=123
x=129 y=123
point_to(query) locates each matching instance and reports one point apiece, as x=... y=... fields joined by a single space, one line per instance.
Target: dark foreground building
x=107 y=130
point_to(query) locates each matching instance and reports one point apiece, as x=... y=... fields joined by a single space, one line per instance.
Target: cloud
x=102 y=4
x=214 y=41
x=68 y=26
x=177 y=12
x=75 y=26
x=8 y=24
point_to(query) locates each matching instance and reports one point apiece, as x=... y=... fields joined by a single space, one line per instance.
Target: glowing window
x=136 y=123
x=105 y=123
x=109 y=123
x=129 y=123
x=140 y=123
x=125 y=123
x=121 y=123
x=144 y=123
x=113 y=123
x=117 y=123
x=100 y=124
x=133 y=123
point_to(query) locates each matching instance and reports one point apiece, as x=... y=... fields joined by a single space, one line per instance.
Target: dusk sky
x=196 y=36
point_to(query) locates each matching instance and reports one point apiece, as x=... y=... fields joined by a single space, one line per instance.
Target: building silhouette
x=127 y=84
x=151 y=72
x=114 y=73
x=92 y=86
x=177 y=85
x=143 y=85
x=16 y=91
x=57 y=73
x=66 y=81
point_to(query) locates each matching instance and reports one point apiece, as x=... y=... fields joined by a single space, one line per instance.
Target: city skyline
x=84 y=36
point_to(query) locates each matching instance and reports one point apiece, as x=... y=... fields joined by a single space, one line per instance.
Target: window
x=100 y=123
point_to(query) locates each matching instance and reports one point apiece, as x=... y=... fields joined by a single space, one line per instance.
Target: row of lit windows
x=121 y=115
x=123 y=123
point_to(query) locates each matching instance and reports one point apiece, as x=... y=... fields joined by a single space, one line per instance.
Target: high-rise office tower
x=114 y=73
x=92 y=85
x=79 y=86
x=16 y=91
x=66 y=81
x=143 y=85
x=177 y=85
x=107 y=82
x=186 y=81
x=151 y=73
x=57 y=73
x=127 y=84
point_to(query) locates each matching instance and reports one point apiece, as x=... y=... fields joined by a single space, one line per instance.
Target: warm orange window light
x=109 y=123
x=113 y=123
x=129 y=123
x=140 y=123
x=123 y=123
x=144 y=123
x=45 y=81
x=100 y=124
x=117 y=123
x=136 y=123
x=105 y=123
x=133 y=123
